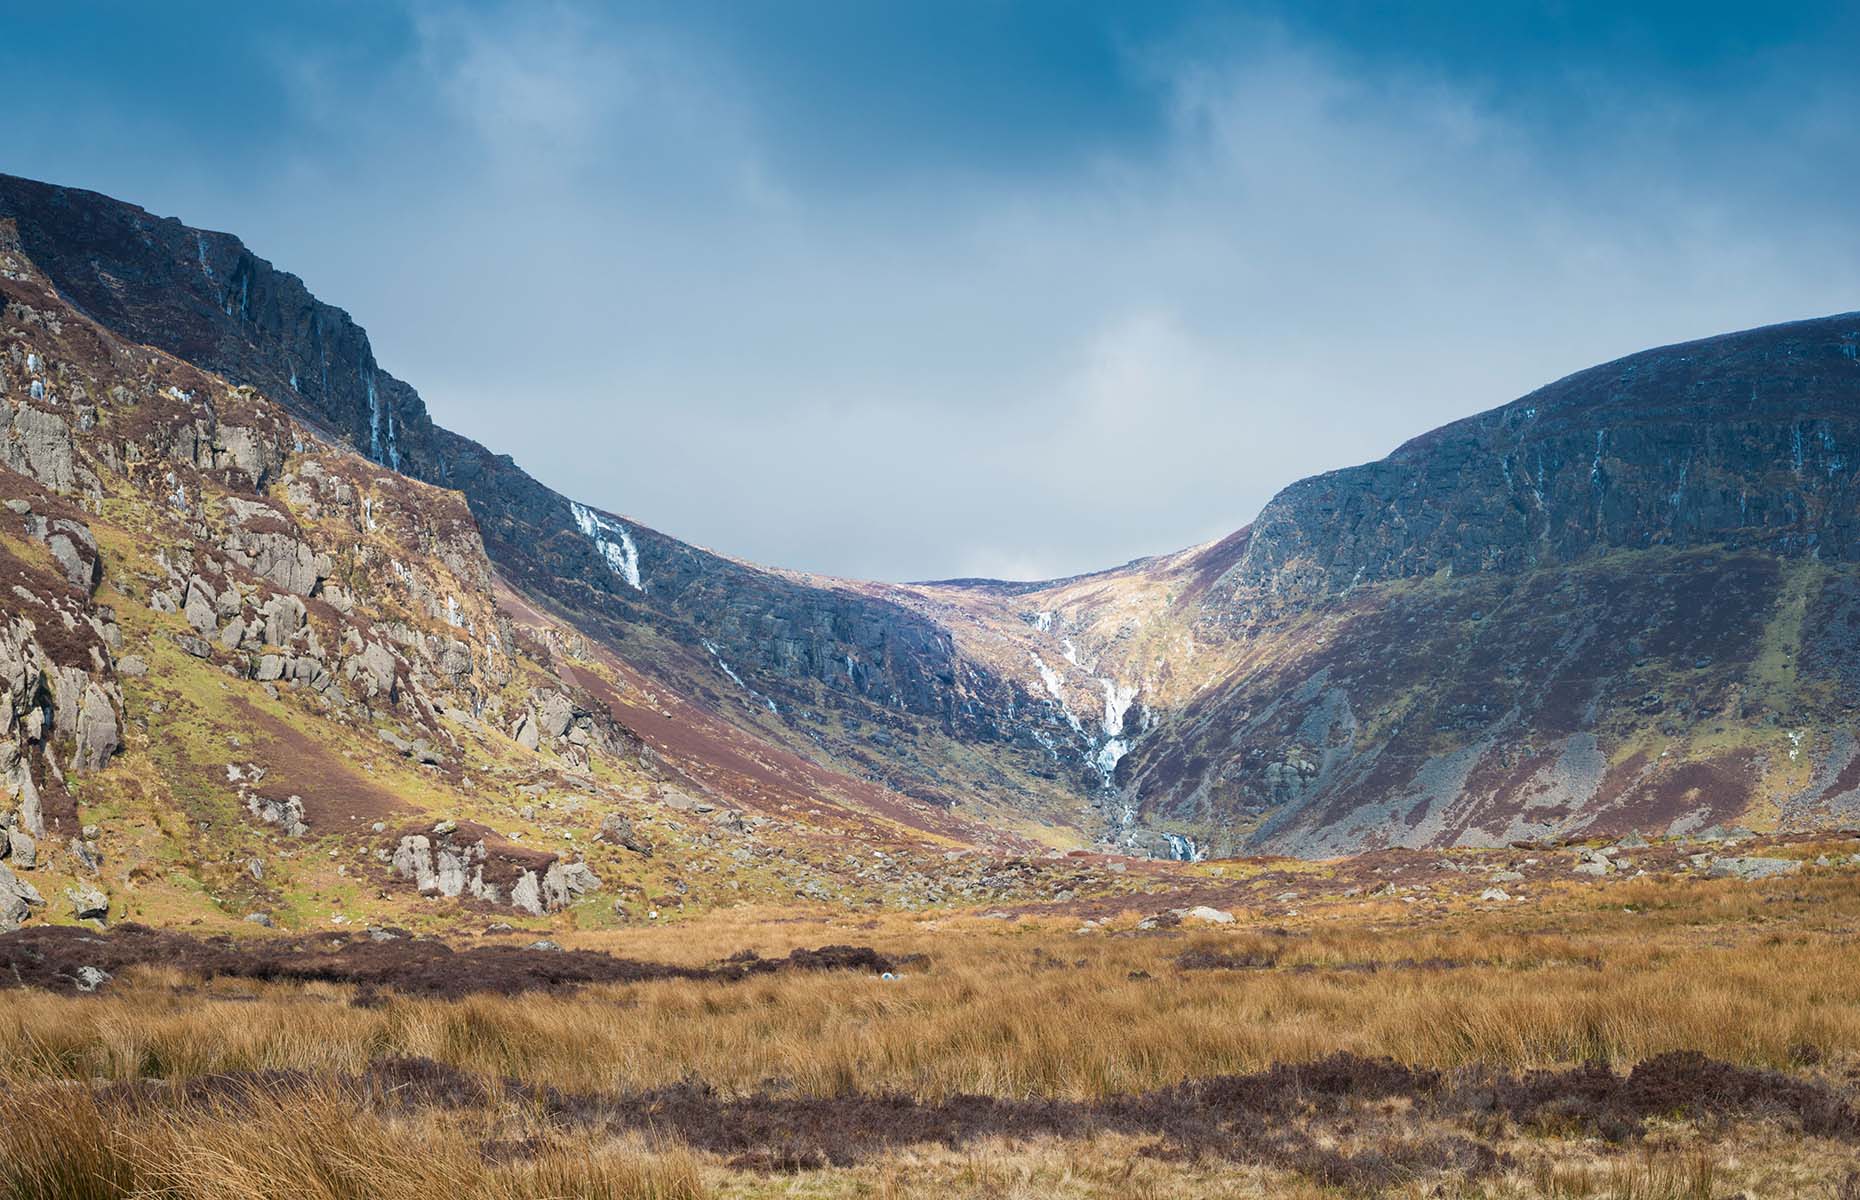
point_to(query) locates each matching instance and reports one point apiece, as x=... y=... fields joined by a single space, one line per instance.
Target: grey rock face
x=17 y=900
x=441 y=866
x=564 y=882
x=97 y=734
x=75 y=549
x=413 y=859
x=376 y=664
x=287 y=814
x=284 y=617
x=201 y=607
x=281 y=558
x=86 y=855
x=619 y=831
x=527 y=894
x=88 y=903
x=553 y=713
x=40 y=446
x=1752 y=868
x=455 y=659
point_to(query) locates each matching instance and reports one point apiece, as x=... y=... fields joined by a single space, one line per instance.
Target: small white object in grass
x=888 y=977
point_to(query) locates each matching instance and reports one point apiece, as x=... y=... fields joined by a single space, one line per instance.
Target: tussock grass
x=1760 y=975
x=1016 y=1014
x=1688 y=1175
x=65 y=1143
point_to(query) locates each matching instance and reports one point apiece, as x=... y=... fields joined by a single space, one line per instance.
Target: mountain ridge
x=1234 y=695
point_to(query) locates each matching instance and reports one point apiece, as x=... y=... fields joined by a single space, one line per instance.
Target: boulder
x=1211 y=916
x=564 y=882
x=554 y=712
x=17 y=900
x=286 y=814
x=86 y=855
x=1752 y=868
x=377 y=663
x=97 y=735
x=455 y=659
x=284 y=616
x=413 y=859
x=527 y=894
x=200 y=607
x=281 y=558
x=88 y=903
x=76 y=551
x=40 y=444
x=619 y=831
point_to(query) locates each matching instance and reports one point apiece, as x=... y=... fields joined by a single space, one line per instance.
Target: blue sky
x=923 y=289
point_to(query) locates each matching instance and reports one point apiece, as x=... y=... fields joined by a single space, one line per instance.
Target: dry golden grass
x=58 y=1143
x=1761 y=975
x=1014 y=1011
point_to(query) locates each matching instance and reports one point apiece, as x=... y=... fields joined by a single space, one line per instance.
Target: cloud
x=599 y=242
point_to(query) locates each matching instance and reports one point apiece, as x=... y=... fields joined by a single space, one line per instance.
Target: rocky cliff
x=1620 y=602
x=248 y=674
x=797 y=660
x=1623 y=601
x=1746 y=440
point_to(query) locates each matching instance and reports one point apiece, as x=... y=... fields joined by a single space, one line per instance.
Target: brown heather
x=553 y=1093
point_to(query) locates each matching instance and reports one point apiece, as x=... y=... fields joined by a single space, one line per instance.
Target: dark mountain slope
x=1625 y=598
x=812 y=665
x=1742 y=440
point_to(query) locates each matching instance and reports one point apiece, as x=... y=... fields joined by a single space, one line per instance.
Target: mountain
x=248 y=672
x=1625 y=601
x=824 y=670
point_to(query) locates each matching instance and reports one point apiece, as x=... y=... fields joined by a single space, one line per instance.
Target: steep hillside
x=1625 y=601
x=822 y=670
x=246 y=673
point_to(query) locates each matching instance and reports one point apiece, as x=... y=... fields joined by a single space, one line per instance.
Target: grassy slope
x=1617 y=971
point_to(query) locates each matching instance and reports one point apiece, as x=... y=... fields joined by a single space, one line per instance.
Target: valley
x=1475 y=822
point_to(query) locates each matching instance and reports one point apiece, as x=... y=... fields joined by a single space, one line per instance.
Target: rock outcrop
x=1623 y=601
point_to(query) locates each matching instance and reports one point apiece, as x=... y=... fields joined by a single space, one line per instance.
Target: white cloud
x=581 y=242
